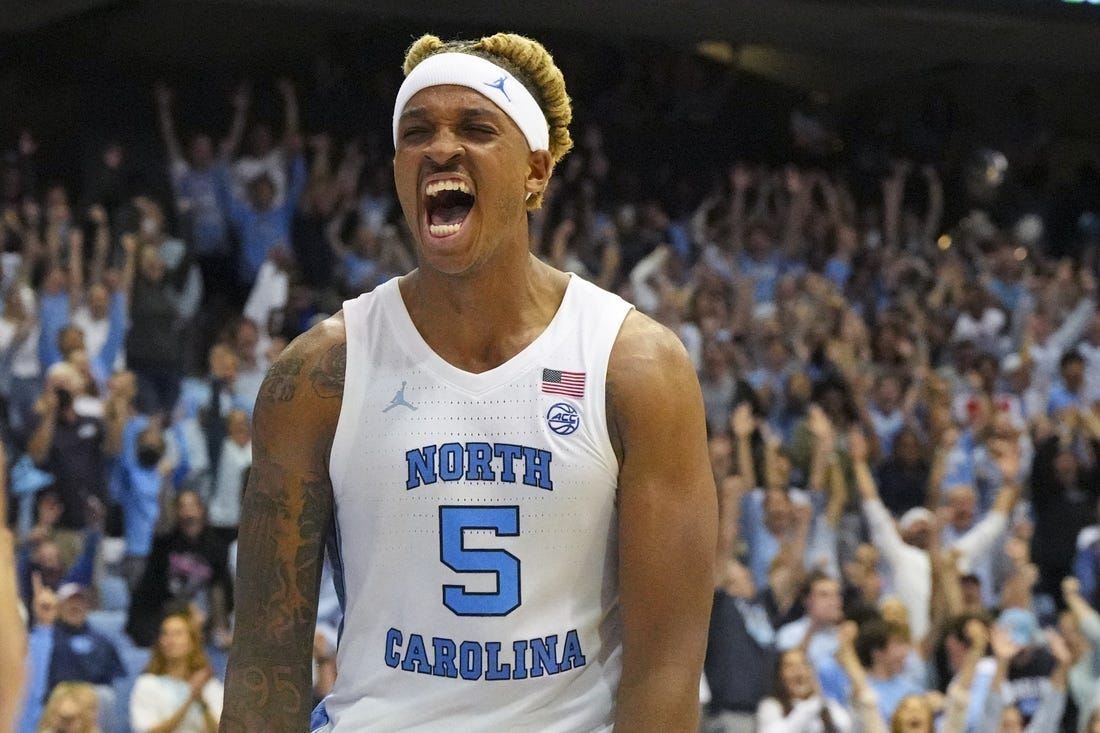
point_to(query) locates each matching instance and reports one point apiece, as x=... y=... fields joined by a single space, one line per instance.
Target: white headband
x=484 y=77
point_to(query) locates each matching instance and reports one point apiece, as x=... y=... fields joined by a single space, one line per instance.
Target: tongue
x=449 y=214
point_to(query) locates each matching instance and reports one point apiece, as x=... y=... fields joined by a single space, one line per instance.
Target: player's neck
x=480 y=322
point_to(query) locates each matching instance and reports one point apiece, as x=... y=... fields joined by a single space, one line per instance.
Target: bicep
x=667 y=503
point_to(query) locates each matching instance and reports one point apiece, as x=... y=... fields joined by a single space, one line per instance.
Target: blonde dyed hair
x=527 y=60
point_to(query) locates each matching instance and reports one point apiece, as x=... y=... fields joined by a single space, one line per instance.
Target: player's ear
x=539 y=167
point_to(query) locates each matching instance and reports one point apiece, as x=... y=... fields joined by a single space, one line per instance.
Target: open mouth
x=448 y=203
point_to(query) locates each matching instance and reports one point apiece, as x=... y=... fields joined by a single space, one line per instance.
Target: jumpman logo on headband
x=499 y=84
x=398 y=400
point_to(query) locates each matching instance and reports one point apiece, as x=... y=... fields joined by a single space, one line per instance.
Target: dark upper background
x=80 y=71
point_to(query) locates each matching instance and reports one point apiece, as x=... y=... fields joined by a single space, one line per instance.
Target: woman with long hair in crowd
x=177 y=692
x=796 y=704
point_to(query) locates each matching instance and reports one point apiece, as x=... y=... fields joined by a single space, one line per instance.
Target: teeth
x=435 y=187
x=443 y=230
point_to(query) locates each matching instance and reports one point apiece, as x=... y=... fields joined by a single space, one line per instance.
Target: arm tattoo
x=282 y=540
x=328 y=376
x=280 y=383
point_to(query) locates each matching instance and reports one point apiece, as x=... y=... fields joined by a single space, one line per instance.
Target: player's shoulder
x=648 y=361
x=310 y=368
x=643 y=344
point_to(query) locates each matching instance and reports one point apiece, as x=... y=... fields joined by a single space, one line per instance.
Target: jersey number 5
x=504 y=522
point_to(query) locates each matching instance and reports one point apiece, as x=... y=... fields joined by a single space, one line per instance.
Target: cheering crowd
x=899 y=359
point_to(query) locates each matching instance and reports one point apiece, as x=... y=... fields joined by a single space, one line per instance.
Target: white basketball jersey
x=476 y=529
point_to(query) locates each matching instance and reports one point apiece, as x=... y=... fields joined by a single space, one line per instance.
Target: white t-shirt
x=155 y=698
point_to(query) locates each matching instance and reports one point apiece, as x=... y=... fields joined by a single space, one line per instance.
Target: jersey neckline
x=425 y=356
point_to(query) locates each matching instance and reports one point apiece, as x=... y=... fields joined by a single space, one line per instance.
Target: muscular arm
x=285 y=515
x=667 y=527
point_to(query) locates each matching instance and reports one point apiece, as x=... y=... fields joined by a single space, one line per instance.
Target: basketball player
x=508 y=464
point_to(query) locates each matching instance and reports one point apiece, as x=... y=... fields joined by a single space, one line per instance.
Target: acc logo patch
x=563 y=418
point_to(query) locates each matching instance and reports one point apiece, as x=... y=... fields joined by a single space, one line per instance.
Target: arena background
x=79 y=72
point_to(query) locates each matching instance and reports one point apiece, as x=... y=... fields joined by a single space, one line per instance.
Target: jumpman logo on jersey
x=398 y=400
x=499 y=84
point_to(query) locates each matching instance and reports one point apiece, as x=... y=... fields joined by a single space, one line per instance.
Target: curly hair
x=529 y=62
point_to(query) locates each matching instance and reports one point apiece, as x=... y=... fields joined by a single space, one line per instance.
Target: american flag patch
x=570 y=384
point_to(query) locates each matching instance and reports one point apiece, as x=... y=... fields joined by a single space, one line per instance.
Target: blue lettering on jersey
x=444 y=658
x=469 y=660
x=416 y=656
x=475 y=660
x=544 y=653
x=474 y=461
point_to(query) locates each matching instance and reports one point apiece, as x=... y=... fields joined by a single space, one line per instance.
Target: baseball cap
x=68 y=590
x=914 y=515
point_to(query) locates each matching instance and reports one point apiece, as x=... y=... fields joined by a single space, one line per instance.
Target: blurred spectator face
x=847 y=239
x=245 y=340
x=47 y=561
x=1042 y=326
x=56 y=281
x=913 y=715
x=99 y=301
x=715 y=361
x=758 y=243
x=779 y=474
x=776 y=354
x=175 y=639
x=895 y=653
x=1065 y=468
x=49 y=508
x=79 y=359
x=152 y=266
x=260 y=140
x=261 y=192
x=796 y=674
x=123 y=385
x=72 y=708
x=1073 y=374
x=113 y=155
x=887 y=394
x=917 y=534
x=824 y=604
x=777 y=511
x=971 y=587
x=70 y=339
x=799 y=390
x=200 y=152
x=150 y=445
x=721 y=459
x=974 y=300
x=223 y=363
x=74 y=610
x=987 y=369
x=57 y=205
x=236 y=425
x=962 y=503
x=907 y=448
x=190 y=513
